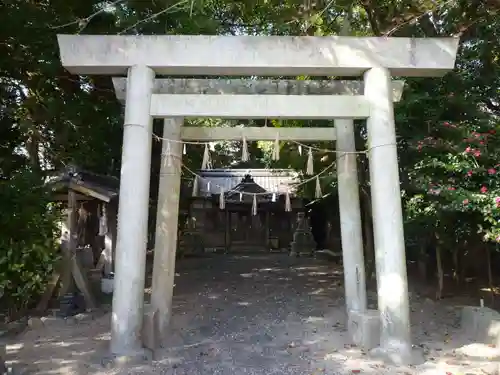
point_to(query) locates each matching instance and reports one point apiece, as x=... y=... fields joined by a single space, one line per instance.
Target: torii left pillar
x=130 y=266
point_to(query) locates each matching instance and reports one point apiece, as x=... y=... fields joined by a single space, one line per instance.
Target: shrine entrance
x=247 y=232
x=376 y=59
x=255 y=227
x=253 y=211
x=248 y=226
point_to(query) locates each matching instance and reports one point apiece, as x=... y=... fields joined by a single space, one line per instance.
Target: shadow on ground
x=251 y=315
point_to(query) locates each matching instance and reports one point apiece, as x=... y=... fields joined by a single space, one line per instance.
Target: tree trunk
x=490 y=274
x=422 y=261
x=440 y=273
x=456 y=266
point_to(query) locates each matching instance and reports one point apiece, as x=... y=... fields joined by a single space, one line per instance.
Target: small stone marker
x=35 y=323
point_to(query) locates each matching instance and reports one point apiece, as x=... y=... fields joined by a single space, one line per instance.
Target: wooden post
x=70 y=252
x=50 y=288
x=113 y=227
x=67 y=283
x=227 y=230
x=267 y=234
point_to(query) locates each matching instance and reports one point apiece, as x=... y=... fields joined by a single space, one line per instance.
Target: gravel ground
x=252 y=315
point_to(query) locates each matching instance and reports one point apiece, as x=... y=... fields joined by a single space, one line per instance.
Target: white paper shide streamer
x=168 y=154
x=206 y=163
x=288 y=203
x=276 y=149
x=254 y=205
x=244 y=150
x=318 y=193
x=195 y=186
x=103 y=222
x=310 y=163
x=222 y=202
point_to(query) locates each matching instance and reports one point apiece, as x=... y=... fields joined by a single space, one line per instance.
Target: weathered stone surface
x=245 y=55
x=150 y=329
x=262 y=106
x=481 y=324
x=480 y=351
x=364 y=328
x=124 y=361
x=35 y=323
x=182 y=86
x=398 y=356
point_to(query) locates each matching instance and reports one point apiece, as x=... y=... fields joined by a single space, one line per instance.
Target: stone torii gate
x=183 y=90
x=142 y=57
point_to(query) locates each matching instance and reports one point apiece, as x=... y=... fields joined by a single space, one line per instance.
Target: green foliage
x=459 y=178
x=27 y=243
x=450 y=147
x=49 y=117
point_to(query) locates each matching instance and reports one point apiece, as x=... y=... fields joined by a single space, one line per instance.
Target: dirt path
x=250 y=315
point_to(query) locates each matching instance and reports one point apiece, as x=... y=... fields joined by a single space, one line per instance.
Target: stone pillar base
x=481 y=324
x=364 y=328
x=398 y=356
x=150 y=329
x=131 y=359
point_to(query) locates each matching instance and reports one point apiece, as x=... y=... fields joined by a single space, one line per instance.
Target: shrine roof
x=89 y=184
x=262 y=180
x=247 y=185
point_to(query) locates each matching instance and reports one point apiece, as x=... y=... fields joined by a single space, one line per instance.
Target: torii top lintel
x=257 y=55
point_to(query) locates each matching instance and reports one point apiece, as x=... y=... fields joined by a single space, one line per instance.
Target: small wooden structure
x=89 y=233
x=236 y=228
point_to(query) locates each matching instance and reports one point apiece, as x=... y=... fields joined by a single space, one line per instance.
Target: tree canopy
x=447 y=128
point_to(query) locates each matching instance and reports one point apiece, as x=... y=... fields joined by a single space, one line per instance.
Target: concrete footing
x=150 y=329
x=399 y=355
x=481 y=324
x=123 y=361
x=364 y=328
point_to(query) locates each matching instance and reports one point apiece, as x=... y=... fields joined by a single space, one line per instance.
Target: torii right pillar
x=392 y=282
x=390 y=257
